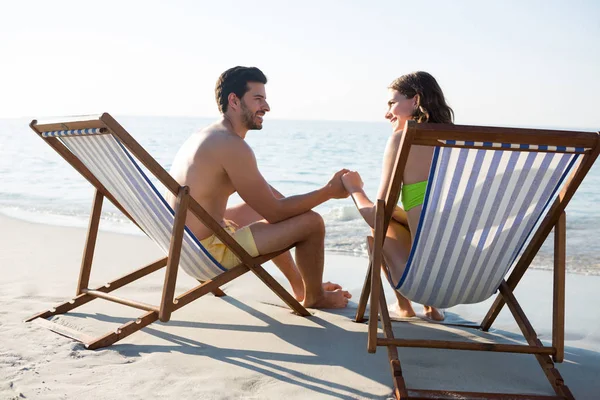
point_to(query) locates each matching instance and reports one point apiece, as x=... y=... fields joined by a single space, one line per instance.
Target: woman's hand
x=352 y=181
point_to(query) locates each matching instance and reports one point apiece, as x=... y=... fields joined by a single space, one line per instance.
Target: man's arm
x=240 y=165
x=276 y=193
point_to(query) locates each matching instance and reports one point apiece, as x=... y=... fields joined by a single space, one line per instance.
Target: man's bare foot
x=298 y=293
x=327 y=286
x=433 y=313
x=330 y=299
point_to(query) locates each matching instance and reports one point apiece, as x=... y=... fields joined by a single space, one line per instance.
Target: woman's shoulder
x=395 y=139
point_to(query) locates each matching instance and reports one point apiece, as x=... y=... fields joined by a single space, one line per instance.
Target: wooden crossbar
x=454 y=345
x=120 y=300
x=453 y=395
x=106 y=288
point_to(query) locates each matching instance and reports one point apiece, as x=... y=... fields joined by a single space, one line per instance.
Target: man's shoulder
x=219 y=141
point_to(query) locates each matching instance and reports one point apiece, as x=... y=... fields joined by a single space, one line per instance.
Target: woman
x=415 y=96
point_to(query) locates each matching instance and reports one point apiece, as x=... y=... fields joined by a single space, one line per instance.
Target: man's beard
x=248 y=119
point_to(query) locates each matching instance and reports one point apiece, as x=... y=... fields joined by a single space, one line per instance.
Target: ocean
x=37 y=185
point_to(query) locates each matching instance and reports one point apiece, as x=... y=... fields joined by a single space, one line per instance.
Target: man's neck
x=234 y=127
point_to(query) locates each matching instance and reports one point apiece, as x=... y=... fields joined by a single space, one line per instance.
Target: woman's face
x=399 y=110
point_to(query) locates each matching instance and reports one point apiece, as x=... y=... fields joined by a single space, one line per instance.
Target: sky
x=508 y=63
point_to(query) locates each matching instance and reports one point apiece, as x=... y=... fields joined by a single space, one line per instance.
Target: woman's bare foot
x=403 y=306
x=330 y=287
x=433 y=313
x=404 y=309
x=330 y=299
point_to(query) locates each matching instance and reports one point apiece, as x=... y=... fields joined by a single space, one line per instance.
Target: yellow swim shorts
x=222 y=253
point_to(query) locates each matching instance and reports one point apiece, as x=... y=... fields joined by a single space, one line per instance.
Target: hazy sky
x=528 y=63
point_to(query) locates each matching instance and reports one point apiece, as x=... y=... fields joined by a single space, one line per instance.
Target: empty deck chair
x=492 y=198
x=107 y=156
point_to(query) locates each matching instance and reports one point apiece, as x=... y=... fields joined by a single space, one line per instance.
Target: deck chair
x=492 y=198
x=107 y=156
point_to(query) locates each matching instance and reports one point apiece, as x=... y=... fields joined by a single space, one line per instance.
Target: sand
x=248 y=345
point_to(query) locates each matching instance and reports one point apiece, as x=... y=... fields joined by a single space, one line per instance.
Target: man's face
x=254 y=106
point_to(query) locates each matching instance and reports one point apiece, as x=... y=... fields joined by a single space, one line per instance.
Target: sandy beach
x=248 y=345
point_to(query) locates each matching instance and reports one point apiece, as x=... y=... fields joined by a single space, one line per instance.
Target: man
x=217 y=161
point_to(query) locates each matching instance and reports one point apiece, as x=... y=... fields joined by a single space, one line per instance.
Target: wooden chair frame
x=431 y=135
x=184 y=203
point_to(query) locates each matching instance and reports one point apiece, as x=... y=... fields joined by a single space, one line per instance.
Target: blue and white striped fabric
x=74 y=132
x=522 y=146
x=480 y=209
x=116 y=169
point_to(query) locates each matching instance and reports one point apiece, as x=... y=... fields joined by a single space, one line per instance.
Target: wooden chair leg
x=399 y=384
x=123 y=331
x=554 y=377
x=168 y=294
x=376 y=287
x=366 y=290
x=90 y=243
x=558 y=314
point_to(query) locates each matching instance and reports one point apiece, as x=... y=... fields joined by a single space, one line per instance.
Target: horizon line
x=526 y=126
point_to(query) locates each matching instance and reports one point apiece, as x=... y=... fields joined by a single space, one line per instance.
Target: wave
x=342 y=213
x=109 y=221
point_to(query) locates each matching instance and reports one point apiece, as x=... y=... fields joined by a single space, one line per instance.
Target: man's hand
x=336 y=187
x=352 y=181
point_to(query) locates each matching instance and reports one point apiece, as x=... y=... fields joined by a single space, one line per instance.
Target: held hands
x=335 y=186
x=352 y=181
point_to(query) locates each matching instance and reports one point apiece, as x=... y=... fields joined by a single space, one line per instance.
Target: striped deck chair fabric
x=480 y=208
x=106 y=157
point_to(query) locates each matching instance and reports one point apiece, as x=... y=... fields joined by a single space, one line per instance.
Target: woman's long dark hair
x=431 y=105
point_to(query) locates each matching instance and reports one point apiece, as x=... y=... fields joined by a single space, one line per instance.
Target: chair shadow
x=580 y=366
x=316 y=340
x=331 y=345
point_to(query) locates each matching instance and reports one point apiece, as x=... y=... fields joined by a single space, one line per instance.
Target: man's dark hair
x=235 y=80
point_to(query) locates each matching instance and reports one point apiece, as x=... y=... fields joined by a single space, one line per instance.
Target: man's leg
x=243 y=215
x=307 y=233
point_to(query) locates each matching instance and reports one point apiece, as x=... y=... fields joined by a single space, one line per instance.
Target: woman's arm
x=389 y=160
x=354 y=185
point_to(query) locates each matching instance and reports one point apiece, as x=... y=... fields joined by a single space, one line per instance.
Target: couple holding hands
x=216 y=161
